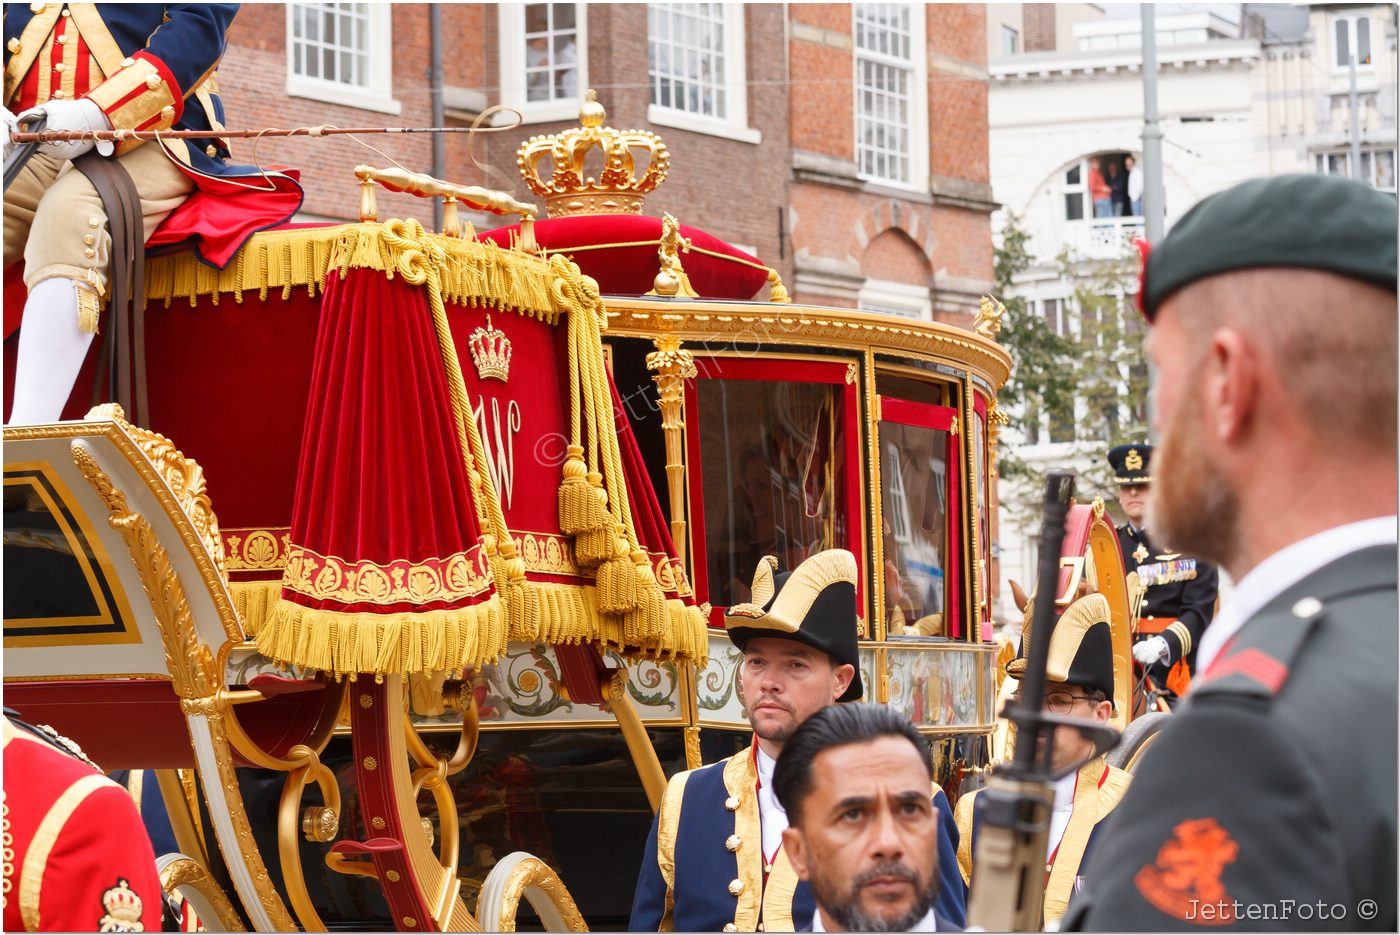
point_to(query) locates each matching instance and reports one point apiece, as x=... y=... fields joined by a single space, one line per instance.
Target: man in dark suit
x=861 y=828
x=1264 y=803
x=1180 y=591
x=715 y=859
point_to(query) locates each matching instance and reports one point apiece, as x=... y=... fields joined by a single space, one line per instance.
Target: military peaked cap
x=1320 y=222
x=815 y=605
x=1132 y=464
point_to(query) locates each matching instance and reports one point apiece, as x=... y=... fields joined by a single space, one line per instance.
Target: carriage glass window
x=773 y=477
x=915 y=446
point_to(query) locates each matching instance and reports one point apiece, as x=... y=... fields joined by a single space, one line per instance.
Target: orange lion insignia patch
x=1185 y=881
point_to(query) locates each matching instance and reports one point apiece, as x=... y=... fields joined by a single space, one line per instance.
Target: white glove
x=80 y=115
x=10 y=127
x=1151 y=651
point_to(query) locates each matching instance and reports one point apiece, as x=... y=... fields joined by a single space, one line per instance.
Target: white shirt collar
x=772 y=819
x=927 y=924
x=1282 y=570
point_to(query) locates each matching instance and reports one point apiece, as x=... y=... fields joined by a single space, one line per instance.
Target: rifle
x=1008 y=867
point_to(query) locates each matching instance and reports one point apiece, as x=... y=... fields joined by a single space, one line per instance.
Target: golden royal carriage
x=423 y=608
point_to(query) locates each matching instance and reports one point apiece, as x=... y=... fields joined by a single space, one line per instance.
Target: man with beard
x=1181 y=591
x=1078 y=683
x=1274 y=336
x=715 y=860
x=861 y=828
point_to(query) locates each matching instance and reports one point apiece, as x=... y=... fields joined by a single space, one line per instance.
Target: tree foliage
x=1099 y=364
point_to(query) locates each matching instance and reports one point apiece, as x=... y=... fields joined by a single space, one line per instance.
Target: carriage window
x=773 y=466
x=914 y=506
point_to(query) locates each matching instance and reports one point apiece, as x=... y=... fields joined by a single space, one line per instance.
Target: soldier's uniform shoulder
x=47 y=744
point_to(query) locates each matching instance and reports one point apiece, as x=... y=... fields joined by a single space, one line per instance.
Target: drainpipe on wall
x=435 y=89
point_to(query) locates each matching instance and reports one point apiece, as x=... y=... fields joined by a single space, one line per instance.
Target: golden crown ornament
x=618 y=190
x=490 y=352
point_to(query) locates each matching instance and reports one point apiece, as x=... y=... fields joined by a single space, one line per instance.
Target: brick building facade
x=846 y=145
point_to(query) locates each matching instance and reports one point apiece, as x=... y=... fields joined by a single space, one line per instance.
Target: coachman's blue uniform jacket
x=155 y=62
x=151 y=66
x=703 y=866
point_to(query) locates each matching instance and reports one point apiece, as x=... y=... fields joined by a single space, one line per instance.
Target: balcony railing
x=1089 y=239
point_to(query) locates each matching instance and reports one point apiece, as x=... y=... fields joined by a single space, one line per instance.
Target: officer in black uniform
x=1181 y=591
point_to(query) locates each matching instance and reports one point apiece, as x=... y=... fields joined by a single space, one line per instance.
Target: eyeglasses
x=1058 y=702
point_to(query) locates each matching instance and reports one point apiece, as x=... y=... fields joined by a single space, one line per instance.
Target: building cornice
x=1055 y=66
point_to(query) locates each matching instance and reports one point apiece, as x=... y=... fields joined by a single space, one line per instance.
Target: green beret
x=1321 y=222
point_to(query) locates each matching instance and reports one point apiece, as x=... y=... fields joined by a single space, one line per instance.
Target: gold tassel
x=89 y=308
x=617 y=579
x=579 y=509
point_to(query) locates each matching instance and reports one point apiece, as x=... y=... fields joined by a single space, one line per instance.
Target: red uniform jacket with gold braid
x=77 y=858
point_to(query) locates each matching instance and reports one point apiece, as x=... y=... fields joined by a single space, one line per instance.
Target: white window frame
x=896 y=298
x=918 y=129
x=901 y=527
x=1014 y=34
x=1341 y=68
x=1322 y=159
x=510 y=22
x=378 y=95
x=735 y=125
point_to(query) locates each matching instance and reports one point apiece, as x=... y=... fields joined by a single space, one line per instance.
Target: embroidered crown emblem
x=619 y=188
x=123 y=908
x=1133 y=461
x=490 y=352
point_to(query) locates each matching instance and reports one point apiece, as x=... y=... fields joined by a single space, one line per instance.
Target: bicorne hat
x=1081 y=646
x=815 y=605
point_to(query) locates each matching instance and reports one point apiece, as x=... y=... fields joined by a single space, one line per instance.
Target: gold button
x=59 y=95
x=736 y=887
x=732 y=843
x=14 y=46
x=760 y=926
x=730 y=927
x=66 y=13
x=90 y=253
x=62 y=40
x=168 y=112
x=153 y=81
x=211 y=151
x=391 y=875
x=732 y=804
x=767 y=867
x=410 y=922
x=126 y=62
x=59 y=67
x=94 y=223
x=38 y=8
x=89 y=239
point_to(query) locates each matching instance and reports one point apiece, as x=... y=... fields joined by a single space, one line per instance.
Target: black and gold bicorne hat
x=1132 y=464
x=815 y=605
x=1081 y=646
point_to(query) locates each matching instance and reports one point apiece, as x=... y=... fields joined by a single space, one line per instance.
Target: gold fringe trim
x=255 y=602
x=473 y=273
x=384 y=644
x=568 y=614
